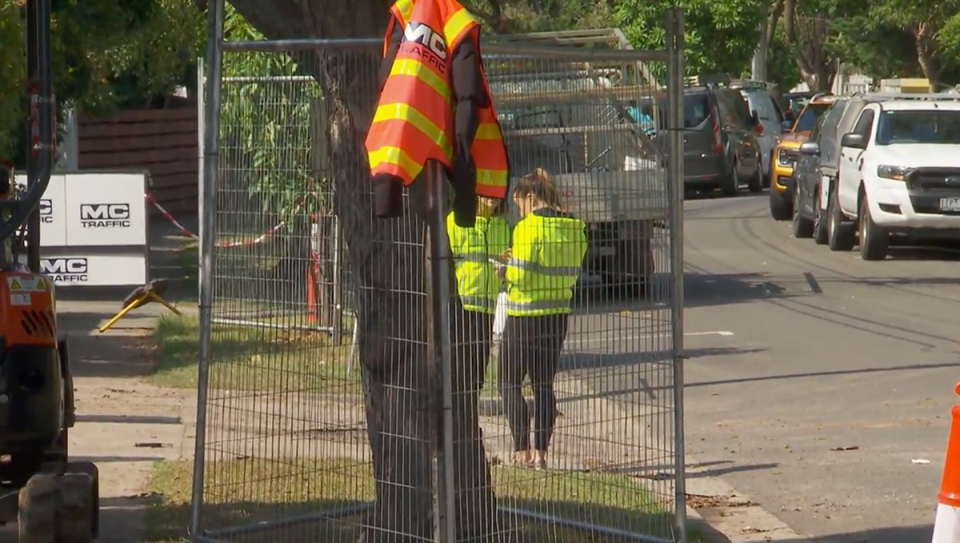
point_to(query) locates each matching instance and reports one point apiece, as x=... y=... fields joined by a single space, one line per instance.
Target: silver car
x=771 y=118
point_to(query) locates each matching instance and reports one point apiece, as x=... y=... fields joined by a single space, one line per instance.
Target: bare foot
x=540 y=459
x=522 y=458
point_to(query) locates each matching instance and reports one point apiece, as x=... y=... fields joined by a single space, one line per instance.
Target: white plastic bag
x=500 y=317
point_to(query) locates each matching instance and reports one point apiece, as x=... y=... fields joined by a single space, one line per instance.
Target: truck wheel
x=802 y=226
x=780 y=208
x=90 y=469
x=874 y=241
x=730 y=185
x=37 y=513
x=841 y=233
x=755 y=184
x=74 y=509
x=819 y=221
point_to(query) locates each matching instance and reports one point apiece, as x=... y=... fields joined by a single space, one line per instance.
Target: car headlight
x=896 y=173
x=784 y=158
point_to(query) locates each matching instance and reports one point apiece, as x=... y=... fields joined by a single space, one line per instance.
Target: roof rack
x=886 y=96
x=726 y=81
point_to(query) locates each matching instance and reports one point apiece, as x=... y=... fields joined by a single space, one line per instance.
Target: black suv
x=720 y=143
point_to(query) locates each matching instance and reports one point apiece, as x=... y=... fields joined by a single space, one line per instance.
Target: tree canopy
x=110 y=54
x=107 y=54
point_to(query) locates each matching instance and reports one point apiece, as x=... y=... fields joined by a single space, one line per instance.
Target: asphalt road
x=836 y=383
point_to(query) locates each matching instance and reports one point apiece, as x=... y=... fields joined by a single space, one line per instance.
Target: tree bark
x=385 y=261
x=807 y=40
x=925 y=34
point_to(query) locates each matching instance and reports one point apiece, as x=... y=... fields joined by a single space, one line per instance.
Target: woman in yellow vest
x=542 y=268
x=475 y=252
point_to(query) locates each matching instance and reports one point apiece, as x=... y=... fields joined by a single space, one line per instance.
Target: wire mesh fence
x=353 y=390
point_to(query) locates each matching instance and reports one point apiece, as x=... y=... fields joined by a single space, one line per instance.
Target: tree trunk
x=927 y=54
x=385 y=261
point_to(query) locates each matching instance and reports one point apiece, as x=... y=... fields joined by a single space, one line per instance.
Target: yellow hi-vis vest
x=477 y=281
x=548 y=251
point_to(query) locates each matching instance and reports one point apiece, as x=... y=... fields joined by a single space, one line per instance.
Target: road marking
x=608 y=337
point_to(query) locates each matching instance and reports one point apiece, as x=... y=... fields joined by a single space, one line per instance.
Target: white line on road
x=579 y=336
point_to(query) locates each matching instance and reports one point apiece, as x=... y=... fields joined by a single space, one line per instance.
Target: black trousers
x=471 y=339
x=531 y=347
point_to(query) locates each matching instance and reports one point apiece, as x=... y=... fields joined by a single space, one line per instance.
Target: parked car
x=814 y=174
x=808 y=170
x=785 y=153
x=721 y=150
x=899 y=175
x=772 y=120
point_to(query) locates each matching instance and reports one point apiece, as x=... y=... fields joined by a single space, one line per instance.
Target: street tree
x=386 y=269
x=720 y=35
x=106 y=54
x=923 y=21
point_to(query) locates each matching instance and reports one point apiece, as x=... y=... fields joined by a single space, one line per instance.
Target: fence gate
x=402 y=433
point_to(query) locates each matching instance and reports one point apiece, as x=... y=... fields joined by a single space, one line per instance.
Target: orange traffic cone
x=946 y=527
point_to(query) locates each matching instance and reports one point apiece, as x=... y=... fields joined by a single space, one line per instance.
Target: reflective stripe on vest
x=539 y=306
x=413 y=120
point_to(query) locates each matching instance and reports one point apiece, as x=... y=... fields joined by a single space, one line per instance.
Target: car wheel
x=756 y=182
x=841 y=234
x=874 y=241
x=731 y=184
x=819 y=221
x=780 y=208
x=802 y=226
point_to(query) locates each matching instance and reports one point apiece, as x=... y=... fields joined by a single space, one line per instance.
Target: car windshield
x=808 y=119
x=696 y=109
x=919 y=126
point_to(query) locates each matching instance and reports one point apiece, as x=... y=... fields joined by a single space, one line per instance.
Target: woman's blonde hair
x=540 y=185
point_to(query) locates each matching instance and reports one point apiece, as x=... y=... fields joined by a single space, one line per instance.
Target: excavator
x=50 y=498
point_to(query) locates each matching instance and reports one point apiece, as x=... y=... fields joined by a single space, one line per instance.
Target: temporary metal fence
x=296 y=443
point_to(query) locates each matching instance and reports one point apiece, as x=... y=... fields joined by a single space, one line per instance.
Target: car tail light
x=758 y=130
x=717 y=137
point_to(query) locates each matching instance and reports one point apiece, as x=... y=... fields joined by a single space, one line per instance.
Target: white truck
x=572 y=119
x=899 y=176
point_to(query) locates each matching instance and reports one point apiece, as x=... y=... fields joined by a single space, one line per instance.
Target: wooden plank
x=128 y=130
x=103 y=145
x=143 y=115
x=164 y=182
x=136 y=158
x=186 y=166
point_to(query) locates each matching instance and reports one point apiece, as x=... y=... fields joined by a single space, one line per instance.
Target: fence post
x=211 y=164
x=675 y=84
x=437 y=252
x=336 y=330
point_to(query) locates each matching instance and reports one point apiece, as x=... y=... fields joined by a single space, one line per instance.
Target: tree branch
x=773 y=17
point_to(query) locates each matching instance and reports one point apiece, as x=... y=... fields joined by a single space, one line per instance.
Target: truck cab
x=899 y=176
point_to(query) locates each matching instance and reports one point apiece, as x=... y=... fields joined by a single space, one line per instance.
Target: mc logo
x=426 y=36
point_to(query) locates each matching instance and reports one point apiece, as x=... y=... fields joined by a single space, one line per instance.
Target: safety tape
x=224 y=244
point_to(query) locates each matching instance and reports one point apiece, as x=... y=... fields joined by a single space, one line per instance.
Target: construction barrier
x=947 y=524
x=94 y=229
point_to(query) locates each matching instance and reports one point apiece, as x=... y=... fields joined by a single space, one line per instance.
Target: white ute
x=899 y=175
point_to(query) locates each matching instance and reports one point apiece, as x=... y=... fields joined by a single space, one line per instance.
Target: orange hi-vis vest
x=414 y=118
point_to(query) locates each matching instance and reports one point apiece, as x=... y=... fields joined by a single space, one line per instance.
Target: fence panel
x=297 y=442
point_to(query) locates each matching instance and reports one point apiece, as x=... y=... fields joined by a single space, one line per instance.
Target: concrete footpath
x=124 y=425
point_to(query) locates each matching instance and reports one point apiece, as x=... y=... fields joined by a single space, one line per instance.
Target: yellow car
x=785 y=154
